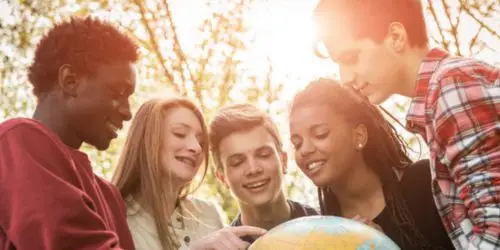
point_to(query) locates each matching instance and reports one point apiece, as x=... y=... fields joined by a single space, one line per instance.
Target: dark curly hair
x=83 y=43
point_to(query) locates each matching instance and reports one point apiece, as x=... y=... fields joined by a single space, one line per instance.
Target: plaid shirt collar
x=416 y=114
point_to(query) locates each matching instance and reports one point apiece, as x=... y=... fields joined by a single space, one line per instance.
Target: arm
x=43 y=204
x=467 y=128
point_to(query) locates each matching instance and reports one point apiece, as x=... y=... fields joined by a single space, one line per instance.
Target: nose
x=348 y=75
x=307 y=148
x=194 y=145
x=253 y=167
x=124 y=110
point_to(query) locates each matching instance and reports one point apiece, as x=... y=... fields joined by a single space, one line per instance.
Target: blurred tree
x=212 y=63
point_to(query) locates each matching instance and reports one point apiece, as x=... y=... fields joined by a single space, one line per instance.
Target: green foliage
x=213 y=69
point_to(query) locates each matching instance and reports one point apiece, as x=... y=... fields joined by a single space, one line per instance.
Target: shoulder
x=23 y=126
x=204 y=210
x=32 y=136
x=110 y=191
x=139 y=221
x=142 y=226
x=459 y=80
x=466 y=69
x=302 y=209
x=416 y=182
x=198 y=204
x=418 y=173
x=417 y=170
x=24 y=141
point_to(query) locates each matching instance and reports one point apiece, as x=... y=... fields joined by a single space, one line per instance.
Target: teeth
x=186 y=160
x=113 y=127
x=314 y=165
x=256 y=184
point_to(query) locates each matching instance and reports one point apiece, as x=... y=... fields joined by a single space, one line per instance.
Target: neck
x=412 y=64
x=361 y=193
x=49 y=113
x=268 y=215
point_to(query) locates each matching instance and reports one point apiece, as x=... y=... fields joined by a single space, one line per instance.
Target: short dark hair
x=371 y=18
x=239 y=118
x=83 y=43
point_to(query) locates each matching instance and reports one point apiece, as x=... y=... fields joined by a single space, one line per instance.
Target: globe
x=324 y=232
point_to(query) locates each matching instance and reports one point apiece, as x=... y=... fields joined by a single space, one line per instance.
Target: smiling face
x=100 y=103
x=325 y=144
x=376 y=68
x=182 y=144
x=253 y=166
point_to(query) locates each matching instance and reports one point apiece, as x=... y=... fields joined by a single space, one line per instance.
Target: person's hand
x=367 y=222
x=227 y=238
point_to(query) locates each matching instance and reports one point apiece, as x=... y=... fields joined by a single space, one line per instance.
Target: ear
x=284 y=161
x=396 y=38
x=220 y=176
x=67 y=80
x=360 y=136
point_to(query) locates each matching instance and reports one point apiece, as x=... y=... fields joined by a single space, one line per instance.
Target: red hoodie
x=49 y=196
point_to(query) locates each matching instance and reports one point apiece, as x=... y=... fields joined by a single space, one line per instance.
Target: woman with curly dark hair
x=361 y=167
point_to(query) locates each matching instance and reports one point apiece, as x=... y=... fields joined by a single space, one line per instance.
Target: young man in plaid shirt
x=455 y=105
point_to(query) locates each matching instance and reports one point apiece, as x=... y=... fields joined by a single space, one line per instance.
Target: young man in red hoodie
x=82 y=75
x=382 y=49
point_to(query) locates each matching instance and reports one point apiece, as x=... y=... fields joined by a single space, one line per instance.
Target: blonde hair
x=139 y=172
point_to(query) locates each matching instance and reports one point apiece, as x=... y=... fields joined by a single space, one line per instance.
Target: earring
x=360 y=146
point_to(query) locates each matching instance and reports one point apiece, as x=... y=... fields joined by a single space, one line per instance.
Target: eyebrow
x=318 y=125
x=185 y=125
x=233 y=156
x=262 y=148
x=123 y=84
x=311 y=128
x=252 y=150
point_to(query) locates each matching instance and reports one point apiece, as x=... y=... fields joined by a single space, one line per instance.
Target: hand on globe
x=368 y=222
x=227 y=238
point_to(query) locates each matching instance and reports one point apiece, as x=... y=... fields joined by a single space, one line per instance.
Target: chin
x=184 y=177
x=323 y=182
x=378 y=98
x=102 y=145
x=259 y=202
x=254 y=200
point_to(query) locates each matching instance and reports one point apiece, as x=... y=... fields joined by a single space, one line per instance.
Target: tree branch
x=472 y=42
x=440 y=29
x=210 y=52
x=453 y=27
x=182 y=56
x=481 y=23
x=156 y=47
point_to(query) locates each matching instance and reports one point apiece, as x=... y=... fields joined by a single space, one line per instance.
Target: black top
x=416 y=189
x=296 y=210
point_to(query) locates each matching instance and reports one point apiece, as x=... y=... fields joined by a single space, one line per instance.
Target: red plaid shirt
x=457 y=111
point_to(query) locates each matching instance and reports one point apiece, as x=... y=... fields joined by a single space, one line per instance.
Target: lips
x=314 y=166
x=257 y=185
x=187 y=160
x=113 y=128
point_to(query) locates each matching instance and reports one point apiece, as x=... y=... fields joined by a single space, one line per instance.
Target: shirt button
x=187 y=239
